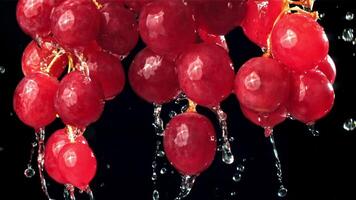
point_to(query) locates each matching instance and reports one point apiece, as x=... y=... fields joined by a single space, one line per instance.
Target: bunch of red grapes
x=186 y=53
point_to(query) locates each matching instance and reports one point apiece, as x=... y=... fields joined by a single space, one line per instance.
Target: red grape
x=153 y=77
x=34 y=100
x=79 y=100
x=206 y=74
x=189 y=143
x=213 y=39
x=77 y=164
x=107 y=70
x=312 y=96
x=327 y=66
x=118 y=32
x=33 y=16
x=167 y=26
x=260 y=17
x=75 y=23
x=218 y=17
x=262 y=84
x=54 y=145
x=299 y=42
x=37 y=58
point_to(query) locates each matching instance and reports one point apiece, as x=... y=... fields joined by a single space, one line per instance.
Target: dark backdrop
x=123 y=139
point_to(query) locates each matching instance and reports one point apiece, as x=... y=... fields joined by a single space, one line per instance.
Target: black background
x=123 y=139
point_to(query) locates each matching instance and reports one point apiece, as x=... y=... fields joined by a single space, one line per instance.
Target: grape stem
x=191 y=106
x=57 y=54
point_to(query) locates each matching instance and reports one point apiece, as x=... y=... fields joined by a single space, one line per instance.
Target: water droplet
x=163 y=171
x=231 y=139
x=102 y=185
x=240 y=168
x=2 y=69
x=160 y=153
x=282 y=192
x=172 y=114
x=1 y=149
x=154 y=176
x=154 y=164
x=34 y=144
x=233 y=194
x=186 y=186
x=349 y=16
x=349 y=125
x=313 y=130
x=237 y=177
x=227 y=156
x=348 y=34
x=354 y=54
x=321 y=15
x=108 y=166
x=155 y=195
x=29 y=172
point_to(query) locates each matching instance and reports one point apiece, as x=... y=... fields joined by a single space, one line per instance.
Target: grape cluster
x=185 y=52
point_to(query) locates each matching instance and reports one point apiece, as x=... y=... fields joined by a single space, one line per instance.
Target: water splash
x=40 y=137
x=313 y=130
x=186 y=186
x=158 y=153
x=347 y=35
x=68 y=193
x=282 y=191
x=227 y=156
x=2 y=69
x=349 y=125
x=349 y=16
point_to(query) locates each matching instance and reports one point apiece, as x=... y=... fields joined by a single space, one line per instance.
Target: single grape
x=153 y=77
x=167 y=26
x=33 y=16
x=299 y=42
x=262 y=84
x=218 y=17
x=33 y=100
x=189 y=143
x=206 y=74
x=77 y=164
x=312 y=96
x=79 y=100
x=75 y=23
x=119 y=29
x=107 y=70
x=213 y=39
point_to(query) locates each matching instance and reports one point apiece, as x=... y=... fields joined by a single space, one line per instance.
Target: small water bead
x=108 y=166
x=349 y=16
x=1 y=149
x=172 y=114
x=349 y=125
x=231 y=139
x=160 y=154
x=154 y=176
x=282 y=192
x=154 y=164
x=240 y=168
x=227 y=156
x=313 y=130
x=155 y=195
x=233 y=194
x=2 y=69
x=163 y=171
x=348 y=35
x=29 y=172
x=321 y=15
x=237 y=177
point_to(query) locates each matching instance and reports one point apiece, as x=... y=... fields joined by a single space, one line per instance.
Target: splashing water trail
x=69 y=192
x=227 y=156
x=349 y=125
x=282 y=191
x=186 y=186
x=313 y=130
x=90 y=193
x=29 y=171
x=347 y=35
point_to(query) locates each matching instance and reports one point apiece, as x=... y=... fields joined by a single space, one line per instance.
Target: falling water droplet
x=155 y=195
x=108 y=166
x=2 y=69
x=237 y=177
x=313 y=130
x=348 y=34
x=349 y=125
x=29 y=172
x=240 y=168
x=349 y=16
x=163 y=171
x=160 y=154
x=172 y=114
x=154 y=176
x=154 y=164
x=282 y=192
x=227 y=156
x=233 y=194
x=90 y=193
x=231 y=139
